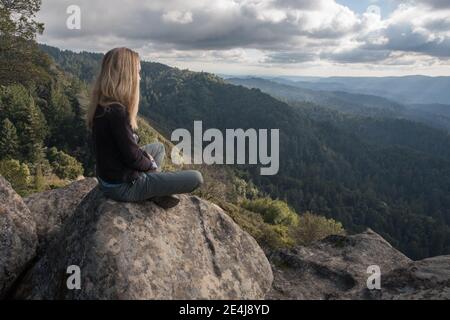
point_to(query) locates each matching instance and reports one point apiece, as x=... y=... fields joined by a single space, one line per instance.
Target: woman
x=125 y=171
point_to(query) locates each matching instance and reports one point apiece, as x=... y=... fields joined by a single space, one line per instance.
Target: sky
x=263 y=37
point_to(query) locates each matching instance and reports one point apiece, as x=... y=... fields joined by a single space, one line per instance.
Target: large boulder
x=50 y=209
x=334 y=268
x=18 y=240
x=141 y=251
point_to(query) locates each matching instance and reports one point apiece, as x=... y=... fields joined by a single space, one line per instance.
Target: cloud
x=208 y=24
x=290 y=57
x=358 y=55
x=177 y=17
x=255 y=31
x=439 y=4
x=416 y=29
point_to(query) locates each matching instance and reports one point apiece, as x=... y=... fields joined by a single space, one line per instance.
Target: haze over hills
x=435 y=115
x=405 y=90
x=386 y=173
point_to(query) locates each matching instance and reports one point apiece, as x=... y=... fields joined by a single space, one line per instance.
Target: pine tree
x=18 y=30
x=28 y=119
x=9 y=142
x=36 y=126
x=39 y=181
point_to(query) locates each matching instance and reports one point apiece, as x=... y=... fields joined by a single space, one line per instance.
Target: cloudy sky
x=265 y=37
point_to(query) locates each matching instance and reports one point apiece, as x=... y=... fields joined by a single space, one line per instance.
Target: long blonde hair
x=118 y=82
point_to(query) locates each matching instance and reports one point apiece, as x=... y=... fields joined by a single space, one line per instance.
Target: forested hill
x=337 y=100
x=330 y=165
x=433 y=115
x=41 y=120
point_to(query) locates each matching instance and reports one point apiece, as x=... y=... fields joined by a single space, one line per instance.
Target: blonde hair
x=118 y=82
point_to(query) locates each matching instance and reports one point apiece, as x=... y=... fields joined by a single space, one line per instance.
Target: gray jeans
x=154 y=183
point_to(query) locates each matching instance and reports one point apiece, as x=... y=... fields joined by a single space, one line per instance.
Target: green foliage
x=19 y=107
x=21 y=61
x=273 y=211
x=245 y=189
x=64 y=165
x=312 y=227
x=267 y=235
x=38 y=180
x=84 y=66
x=17 y=19
x=39 y=105
x=287 y=228
x=39 y=159
x=9 y=142
x=45 y=111
x=18 y=174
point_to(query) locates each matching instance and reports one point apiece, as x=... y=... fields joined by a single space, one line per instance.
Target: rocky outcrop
x=18 y=238
x=193 y=251
x=337 y=268
x=50 y=209
x=140 y=251
x=418 y=280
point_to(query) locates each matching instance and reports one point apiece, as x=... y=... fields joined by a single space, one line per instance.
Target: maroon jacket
x=118 y=156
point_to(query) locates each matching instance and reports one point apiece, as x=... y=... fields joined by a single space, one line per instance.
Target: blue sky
x=386 y=7
x=267 y=37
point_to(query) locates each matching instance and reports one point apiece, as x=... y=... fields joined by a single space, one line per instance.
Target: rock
x=334 y=268
x=18 y=238
x=427 y=279
x=140 y=251
x=50 y=209
x=193 y=251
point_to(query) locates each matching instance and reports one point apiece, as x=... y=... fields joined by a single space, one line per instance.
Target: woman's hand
x=152 y=160
x=148 y=155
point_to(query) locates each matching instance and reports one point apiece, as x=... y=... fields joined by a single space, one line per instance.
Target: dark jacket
x=118 y=156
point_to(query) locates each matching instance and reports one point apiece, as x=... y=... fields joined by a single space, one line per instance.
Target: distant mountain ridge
x=407 y=90
x=339 y=100
x=435 y=115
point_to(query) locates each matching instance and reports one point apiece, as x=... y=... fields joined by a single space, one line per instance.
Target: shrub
x=312 y=227
x=18 y=174
x=267 y=235
x=244 y=189
x=38 y=180
x=274 y=212
x=64 y=165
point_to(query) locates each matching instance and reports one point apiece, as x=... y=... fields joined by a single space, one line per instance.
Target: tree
x=17 y=19
x=18 y=174
x=9 y=142
x=64 y=165
x=37 y=159
x=18 y=50
x=39 y=181
x=19 y=107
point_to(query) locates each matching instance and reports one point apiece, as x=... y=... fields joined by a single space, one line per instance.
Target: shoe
x=166 y=202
